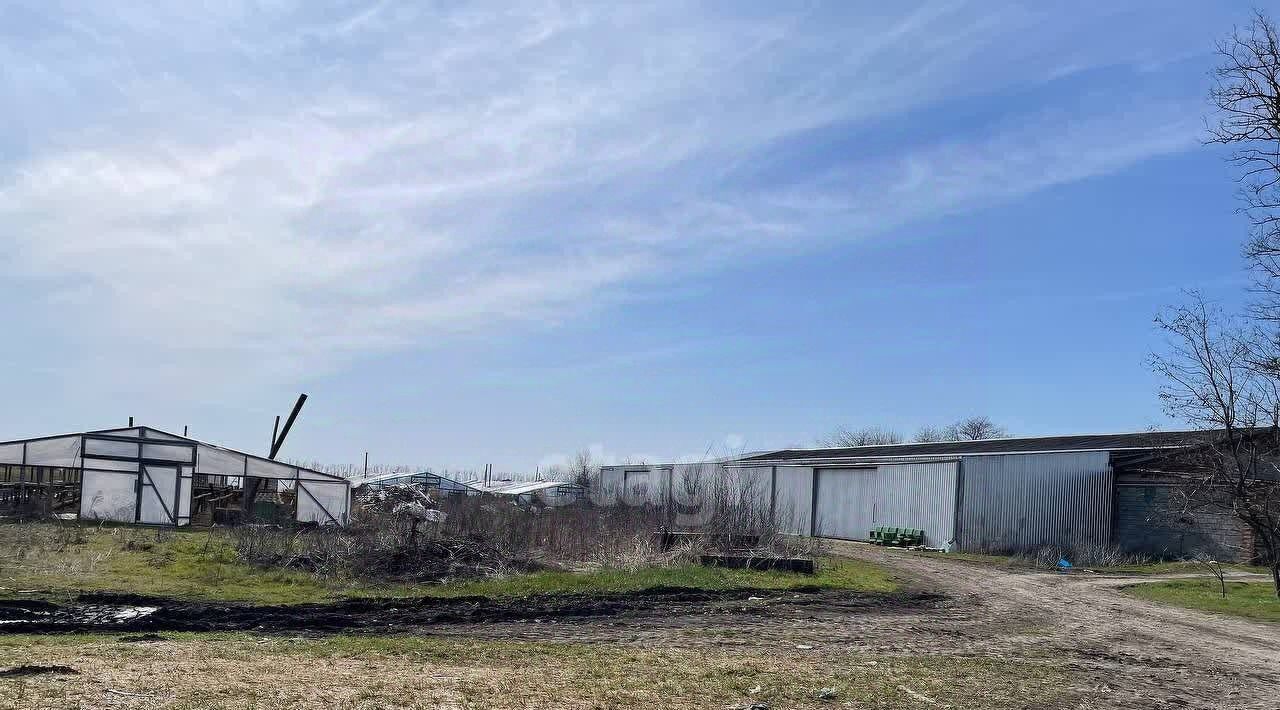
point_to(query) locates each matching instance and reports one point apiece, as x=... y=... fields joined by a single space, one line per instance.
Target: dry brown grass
x=416 y=672
x=486 y=536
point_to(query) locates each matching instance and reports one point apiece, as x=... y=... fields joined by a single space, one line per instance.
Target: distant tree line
x=968 y=429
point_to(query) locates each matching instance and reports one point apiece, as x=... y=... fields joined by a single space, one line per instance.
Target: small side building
x=1153 y=515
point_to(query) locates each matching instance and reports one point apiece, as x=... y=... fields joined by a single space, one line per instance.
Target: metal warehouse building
x=994 y=495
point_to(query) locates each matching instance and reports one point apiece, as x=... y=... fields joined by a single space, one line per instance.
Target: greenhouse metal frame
x=147 y=476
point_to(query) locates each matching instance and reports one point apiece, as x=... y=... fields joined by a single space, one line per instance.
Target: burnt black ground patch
x=133 y=613
x=29 y=670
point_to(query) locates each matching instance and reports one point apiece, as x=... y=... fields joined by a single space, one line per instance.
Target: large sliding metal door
x=844 y=502
x=919 y=495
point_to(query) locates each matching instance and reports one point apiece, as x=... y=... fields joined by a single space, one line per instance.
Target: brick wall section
x=1145 y=522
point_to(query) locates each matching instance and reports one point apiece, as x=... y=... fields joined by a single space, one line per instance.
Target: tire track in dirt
x=1133 y=653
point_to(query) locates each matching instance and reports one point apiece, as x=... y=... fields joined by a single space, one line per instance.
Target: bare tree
x=866 y=436
x=1214 y=568
x=975 y=428
x=1219 y=375
x=1223 y=373
x=929 y=434
x=583 y=469
x=1246 y=92
x=968 y=429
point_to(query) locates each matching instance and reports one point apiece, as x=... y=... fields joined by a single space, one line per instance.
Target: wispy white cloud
x=278 y=189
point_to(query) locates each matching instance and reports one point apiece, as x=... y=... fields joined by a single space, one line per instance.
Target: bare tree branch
x=975 y=428
x=1220 y=375
x=866 y=436
x=1246 y=92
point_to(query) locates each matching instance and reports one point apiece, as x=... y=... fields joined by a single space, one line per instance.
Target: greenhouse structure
x=146 y=476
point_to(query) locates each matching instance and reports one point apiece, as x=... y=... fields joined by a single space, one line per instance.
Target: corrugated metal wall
x=646 y=485
x=845 y=502
x=1022 y=501
x=1006 y=502
x=611 y=484
x=918 y=495
x=793 y=499
x=632 y=485
x=689 y=484
x=753 y=486
x=691 y=490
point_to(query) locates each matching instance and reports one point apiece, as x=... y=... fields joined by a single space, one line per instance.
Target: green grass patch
x=63 y=561
x=1143 y=569
x=1175 y=567
x=1252 y=600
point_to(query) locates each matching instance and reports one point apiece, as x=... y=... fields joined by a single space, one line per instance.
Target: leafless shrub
x=479 y=536
x=577 y=533
x=866 y=436
x=1078 y=554
x=732 y=509
x=482 y=535
x=1214 y=568
x=365 y=552
x=57 y=546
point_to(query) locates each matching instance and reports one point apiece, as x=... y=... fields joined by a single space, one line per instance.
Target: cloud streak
x=282 y=191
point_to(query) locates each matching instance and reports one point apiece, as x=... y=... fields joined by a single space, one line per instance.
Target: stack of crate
x=897 y=537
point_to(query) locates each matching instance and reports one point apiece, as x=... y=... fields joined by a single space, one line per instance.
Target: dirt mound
x=97 y=612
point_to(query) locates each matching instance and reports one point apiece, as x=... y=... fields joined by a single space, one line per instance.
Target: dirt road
x=1123 y=652
x=1132 y=653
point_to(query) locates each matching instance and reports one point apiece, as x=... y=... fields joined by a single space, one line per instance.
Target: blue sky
x=500 y=234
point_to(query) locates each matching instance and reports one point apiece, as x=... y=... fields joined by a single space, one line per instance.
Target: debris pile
x=401 y=502
x=397 y=535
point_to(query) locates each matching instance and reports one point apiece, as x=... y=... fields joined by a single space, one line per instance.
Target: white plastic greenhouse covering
x=145 y=475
